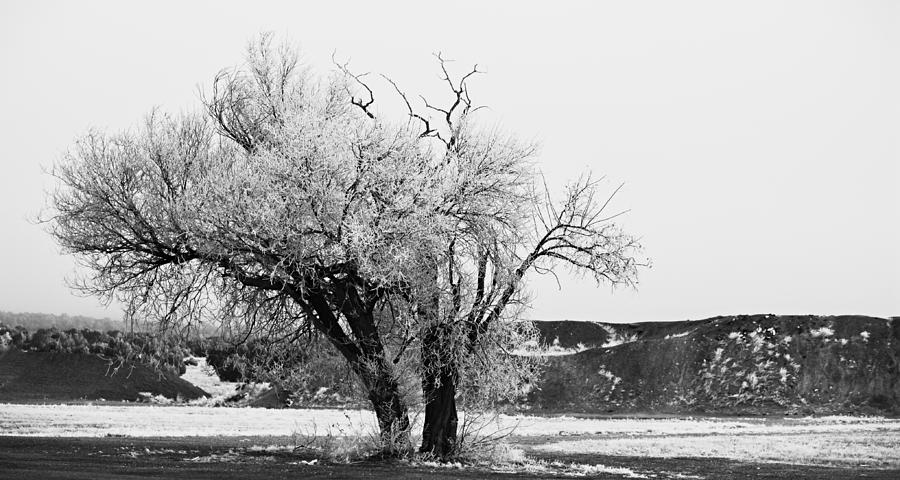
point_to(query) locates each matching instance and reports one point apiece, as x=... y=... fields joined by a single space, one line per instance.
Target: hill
x=53 y=365
x=746 y=364
x=63 y=377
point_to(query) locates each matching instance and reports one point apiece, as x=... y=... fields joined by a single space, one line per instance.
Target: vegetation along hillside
x=737 y=364
x=72 y=365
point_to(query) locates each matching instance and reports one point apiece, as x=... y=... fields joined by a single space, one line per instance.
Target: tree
x=503 y=224
x=291 y=207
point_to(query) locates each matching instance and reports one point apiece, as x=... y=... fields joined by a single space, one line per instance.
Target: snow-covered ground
x=172 y=421
x=167 y=421
x=872 y=441
x=838 y=441
x=873 y=448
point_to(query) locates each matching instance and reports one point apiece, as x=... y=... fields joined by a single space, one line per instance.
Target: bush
x=227 y=360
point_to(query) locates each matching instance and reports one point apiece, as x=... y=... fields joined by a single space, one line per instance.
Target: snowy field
x=838 y=440
x=218 y=433
x=180 y=420
x=864 y=441
x=877 y=449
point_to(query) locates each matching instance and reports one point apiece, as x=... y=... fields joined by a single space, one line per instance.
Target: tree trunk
x=390 y=409
x=441 y=421
x=439 y=381
x=366 y=357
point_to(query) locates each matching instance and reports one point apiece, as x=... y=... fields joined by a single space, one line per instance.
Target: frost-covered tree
x=290 y=206
x=502 y=222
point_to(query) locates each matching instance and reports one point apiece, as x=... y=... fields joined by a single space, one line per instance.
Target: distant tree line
x=35 y=321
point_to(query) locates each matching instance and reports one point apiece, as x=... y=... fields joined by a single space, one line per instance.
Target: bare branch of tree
x=362 y=103
x=427 y=131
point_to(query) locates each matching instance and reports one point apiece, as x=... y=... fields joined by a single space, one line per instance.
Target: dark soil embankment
x=744 y=364
x=63 y=377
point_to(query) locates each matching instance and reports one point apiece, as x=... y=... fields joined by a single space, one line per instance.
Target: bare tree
x=503 y=223
x=283 y=209
x=290 y=207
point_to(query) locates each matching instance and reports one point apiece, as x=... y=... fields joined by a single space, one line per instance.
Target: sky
x=758 y=142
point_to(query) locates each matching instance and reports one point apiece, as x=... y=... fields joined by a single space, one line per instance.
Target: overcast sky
x=759 y=142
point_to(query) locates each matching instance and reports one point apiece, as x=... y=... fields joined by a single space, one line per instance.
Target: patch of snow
x=555 y=468
x=822 y=332
x=149 y=397
x=434 y=464
x=204 y=377
x=615 y=338
x=551 y=351
x=610 y=376
x=677 y=335
x=752 y=378
x=271 y=448
x=593 y=470
x=756 y=341
x=216 y=458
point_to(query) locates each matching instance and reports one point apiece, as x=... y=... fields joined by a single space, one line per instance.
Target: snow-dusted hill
x=736 y=364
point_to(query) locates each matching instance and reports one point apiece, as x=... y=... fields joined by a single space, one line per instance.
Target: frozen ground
x=872 y=441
